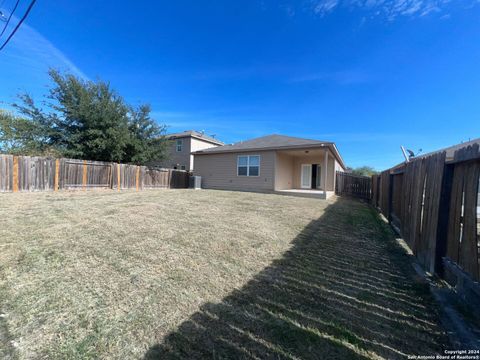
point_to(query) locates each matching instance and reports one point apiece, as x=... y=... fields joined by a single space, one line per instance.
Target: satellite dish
x=410 y=155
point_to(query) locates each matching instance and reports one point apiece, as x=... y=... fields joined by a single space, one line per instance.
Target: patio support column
x=325 y=171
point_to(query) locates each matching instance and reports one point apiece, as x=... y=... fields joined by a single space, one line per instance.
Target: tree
x=20 y=136
x=363 y=171
x=147 y=140
x=89 y=120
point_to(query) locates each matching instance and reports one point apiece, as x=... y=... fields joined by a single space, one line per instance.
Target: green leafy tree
x=89 y=120
x=20 y=136
x=363 y=171
x=147 y=138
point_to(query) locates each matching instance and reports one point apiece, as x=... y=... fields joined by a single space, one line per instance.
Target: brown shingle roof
x=266 y=142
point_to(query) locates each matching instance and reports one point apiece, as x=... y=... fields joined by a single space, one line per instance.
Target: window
x=179 y=145
x=182 y=167
x=248 y=165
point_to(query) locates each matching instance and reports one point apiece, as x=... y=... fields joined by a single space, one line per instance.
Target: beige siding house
x=273 y=163
x=181 y=145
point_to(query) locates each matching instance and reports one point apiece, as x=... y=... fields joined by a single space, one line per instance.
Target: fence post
x=84 y=177
x=15 y=174
x=443 y=218
x=337 y=186
x=57 y=173
x=110 y=176
x=374 y=190
x=377 y=200
x=390 y=197
x=138 y=177
x=118 y=177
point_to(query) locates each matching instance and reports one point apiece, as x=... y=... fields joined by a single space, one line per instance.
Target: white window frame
x=248 y=164
x=179 y=143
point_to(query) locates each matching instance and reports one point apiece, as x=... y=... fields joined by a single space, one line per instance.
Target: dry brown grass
x=123 y=275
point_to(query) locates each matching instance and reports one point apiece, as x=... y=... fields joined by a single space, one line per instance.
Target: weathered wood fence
x=434 y=203
x=25 y=173
x=353 y=185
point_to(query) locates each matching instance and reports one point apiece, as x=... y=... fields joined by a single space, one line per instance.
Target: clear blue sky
x=370 y=75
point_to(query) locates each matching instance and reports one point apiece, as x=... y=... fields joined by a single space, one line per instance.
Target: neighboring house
x=271 y=163
x=180 y=148
x=449 y=152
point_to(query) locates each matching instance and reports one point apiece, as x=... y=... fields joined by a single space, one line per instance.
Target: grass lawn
x=205 y=274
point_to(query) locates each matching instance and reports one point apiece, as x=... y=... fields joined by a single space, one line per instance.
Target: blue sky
x=370 y=75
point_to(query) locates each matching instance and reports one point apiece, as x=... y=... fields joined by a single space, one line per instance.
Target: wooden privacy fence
x=26 y=173
x=434 y=203
x=353 y=185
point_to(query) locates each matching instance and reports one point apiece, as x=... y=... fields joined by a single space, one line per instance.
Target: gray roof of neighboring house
x=450 y=151
x=272 y=142
x=195 y=134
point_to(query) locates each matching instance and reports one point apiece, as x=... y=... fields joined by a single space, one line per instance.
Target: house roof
x=449 y=152
x=272 y=142
x=194 y=134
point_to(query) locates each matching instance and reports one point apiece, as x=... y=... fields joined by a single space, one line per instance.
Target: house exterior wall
x=278 y=170
x=337 y=167
x=196 y=145
x=297 y=168
x=182 y=158
x=331 y=175
x=283 y=171
x=219 y=171
x=179 y=158
x=319 y=160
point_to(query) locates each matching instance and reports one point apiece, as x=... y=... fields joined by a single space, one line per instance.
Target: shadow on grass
x=345 y=290
x=6 y=349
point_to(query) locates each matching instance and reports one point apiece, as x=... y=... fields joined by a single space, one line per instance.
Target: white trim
x=214 y=142
x=309 y=177
x=175 y=137
x=248 y=165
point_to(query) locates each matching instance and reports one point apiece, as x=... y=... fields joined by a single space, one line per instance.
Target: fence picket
x=353 y=185
x=24 y=173
x=435 y=204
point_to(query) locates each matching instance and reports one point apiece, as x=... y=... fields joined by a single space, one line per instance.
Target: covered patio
x=308 y=172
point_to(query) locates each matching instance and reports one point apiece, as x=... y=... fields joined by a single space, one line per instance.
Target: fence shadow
x=343 y=291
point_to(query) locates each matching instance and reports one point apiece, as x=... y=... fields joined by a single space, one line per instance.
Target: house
x=180 y=148
x=449 y=153
x=273 y=163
